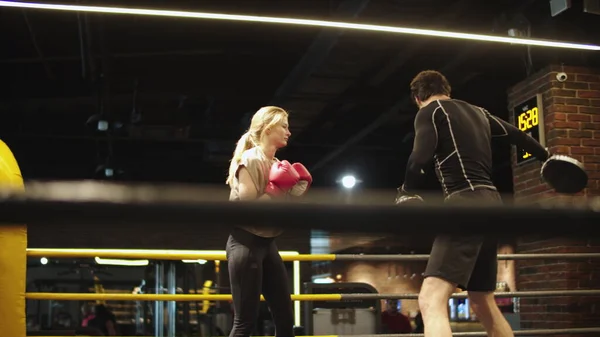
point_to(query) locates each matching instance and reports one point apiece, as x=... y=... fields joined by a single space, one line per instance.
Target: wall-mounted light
x=97 y=123
x=105 y=171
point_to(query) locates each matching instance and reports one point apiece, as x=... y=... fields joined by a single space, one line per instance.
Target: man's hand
x=404 y=197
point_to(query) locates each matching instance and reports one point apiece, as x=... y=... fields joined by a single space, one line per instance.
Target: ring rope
x=144 y=206
x=301 y=297
x=532 y=332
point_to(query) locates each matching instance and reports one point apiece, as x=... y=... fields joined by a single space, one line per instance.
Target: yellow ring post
x=13 y=256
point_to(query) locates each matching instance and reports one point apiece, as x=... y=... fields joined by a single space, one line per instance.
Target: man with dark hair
x=457 y=136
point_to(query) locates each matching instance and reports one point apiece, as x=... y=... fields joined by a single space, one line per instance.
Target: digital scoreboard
x=529 y=118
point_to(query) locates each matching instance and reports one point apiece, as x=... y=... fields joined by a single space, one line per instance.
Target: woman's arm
x=247 y=189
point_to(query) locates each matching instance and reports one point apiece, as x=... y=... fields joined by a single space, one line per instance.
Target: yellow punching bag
x=13 y=256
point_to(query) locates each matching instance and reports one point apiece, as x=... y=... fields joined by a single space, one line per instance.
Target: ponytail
x=244 y=143
x=264 y=118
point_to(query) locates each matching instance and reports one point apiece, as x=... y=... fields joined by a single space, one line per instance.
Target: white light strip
x=119 y=262
x=199 y=261
x=305 y=22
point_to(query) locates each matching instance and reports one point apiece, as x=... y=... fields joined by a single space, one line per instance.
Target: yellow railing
x=294 y=297
x=156 y=254
x=162 y=297
x=177 y=255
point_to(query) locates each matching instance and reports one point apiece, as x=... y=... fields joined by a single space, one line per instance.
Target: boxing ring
x=139 y=206
x=91 y=203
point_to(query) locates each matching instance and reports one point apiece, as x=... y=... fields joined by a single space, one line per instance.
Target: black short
x=470 y=261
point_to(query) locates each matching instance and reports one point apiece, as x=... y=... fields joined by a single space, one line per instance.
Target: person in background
x=32 y=323
x=104 y=320
x=393 y=321
x=62 y=320
x=87 y=312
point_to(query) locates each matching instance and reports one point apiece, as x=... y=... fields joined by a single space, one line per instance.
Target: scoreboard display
x=529 y=118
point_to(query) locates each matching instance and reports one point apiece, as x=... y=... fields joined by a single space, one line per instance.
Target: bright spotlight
x=348 y=181
x=44 y=260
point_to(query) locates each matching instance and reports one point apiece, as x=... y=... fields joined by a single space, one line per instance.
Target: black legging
x=255 y=266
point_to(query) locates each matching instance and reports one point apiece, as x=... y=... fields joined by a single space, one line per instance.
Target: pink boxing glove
x=305 y=180
x=282 y=178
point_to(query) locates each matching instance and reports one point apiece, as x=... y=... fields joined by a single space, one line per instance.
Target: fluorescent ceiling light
x=118 y=262
x=199 y=261
x=304 y=22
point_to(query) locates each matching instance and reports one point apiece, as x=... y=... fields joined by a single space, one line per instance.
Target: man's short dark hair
x=429 y=83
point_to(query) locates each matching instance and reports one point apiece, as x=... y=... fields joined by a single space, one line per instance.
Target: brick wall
x=572 y=127
x=559 y=312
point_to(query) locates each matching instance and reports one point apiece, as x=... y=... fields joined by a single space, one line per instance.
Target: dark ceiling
x=179 y=92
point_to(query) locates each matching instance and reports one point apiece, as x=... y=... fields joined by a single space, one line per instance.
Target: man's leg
x=481 y=291
x=450 y=264
x=433 y=302
x=488 y=313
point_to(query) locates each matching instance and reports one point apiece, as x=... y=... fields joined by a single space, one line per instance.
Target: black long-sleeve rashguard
x=457 y=136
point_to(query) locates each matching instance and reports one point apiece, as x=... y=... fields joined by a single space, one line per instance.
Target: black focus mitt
x=564 y=174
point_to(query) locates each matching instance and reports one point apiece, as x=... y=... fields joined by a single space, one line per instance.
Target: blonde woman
x=254 y=263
